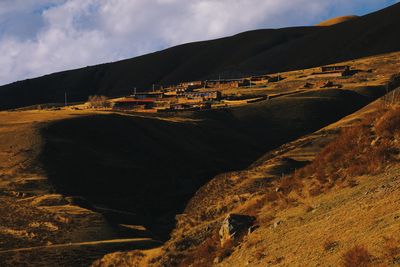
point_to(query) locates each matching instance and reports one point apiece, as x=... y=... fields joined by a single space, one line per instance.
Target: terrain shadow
x=151 y=167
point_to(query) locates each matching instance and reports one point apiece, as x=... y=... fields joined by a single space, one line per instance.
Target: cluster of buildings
x=333 y=71
x=203 y=94
x=192 y=95
x=160 y=101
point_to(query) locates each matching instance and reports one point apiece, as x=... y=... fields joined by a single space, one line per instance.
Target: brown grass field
x=85 y=182
x=351 y=220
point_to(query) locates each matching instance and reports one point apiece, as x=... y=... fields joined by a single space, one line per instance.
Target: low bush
x=98 y=101
x=290 y=183
x=362 y=149
x=389 y=124
x=392 y=249
x=357 y=256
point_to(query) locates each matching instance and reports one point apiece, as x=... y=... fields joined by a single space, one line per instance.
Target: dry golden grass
x=270 y=205
x=130 y=259
x=294 y=200
x=365 y=148
x=318 y=204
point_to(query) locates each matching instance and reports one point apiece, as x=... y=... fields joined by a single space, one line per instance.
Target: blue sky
x=365 y=9
x=38 y=37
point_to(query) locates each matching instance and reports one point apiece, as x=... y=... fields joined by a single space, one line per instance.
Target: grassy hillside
x=146 y=167
x=339 y=210
x=153 y=166
x=250 y=52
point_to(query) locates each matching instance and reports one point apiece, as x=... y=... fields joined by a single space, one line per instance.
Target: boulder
x=277 y=223
x=234 y=226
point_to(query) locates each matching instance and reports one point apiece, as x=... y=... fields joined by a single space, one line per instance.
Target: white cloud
x=44 y=36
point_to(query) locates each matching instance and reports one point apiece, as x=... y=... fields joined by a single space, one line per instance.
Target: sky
x=39 y=37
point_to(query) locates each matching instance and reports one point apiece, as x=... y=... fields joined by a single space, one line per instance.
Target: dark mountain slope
x=262 y=50
x=184 y=62
x=372 y=34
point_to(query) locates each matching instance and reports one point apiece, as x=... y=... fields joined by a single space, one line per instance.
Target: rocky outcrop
x=234 y=226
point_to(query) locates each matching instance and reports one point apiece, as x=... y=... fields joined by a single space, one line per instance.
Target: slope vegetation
x=152 y=166
x=339 y=210
x=132 y=170
x=84 y=182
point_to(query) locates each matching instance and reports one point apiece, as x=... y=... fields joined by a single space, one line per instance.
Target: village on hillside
x=208 y=94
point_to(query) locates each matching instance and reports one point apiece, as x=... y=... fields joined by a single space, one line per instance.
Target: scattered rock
x=308 y=85
x=376 y=141
x=327 y=84
x=331 y=246
x=252 y=229
x=277 y=223
x=217 y=260
x=234 y=226
x=16 y=194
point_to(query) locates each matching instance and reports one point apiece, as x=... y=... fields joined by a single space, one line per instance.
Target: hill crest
x=254 y=52
x=337 y=20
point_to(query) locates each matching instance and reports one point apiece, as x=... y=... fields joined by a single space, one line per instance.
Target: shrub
x=205 y=253
x=389 y=124
x=316 y=190
x=271 y=196
x=357 y=256
x=290 y=183
x=352 y=183
x=392 y=248
x=98 y=101
x=365 y=148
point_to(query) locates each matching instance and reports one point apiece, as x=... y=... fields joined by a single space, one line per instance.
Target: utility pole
x=65 y=99
x=153 y=87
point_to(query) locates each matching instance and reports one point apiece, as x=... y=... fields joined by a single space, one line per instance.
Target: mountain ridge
x=336 y=20
x=266 y=51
